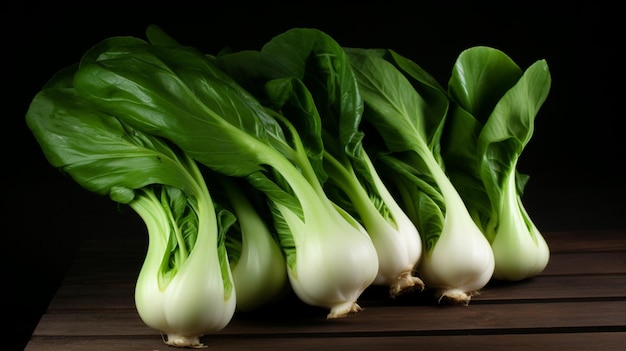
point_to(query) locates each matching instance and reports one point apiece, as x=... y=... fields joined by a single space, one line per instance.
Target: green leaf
x=96 y=149
x=511 y=126
x=178 y=94
x=401 y=115
x=481 y=76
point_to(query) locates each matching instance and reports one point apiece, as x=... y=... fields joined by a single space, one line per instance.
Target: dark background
x=575 y=157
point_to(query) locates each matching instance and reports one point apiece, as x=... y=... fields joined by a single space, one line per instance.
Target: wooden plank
x=607 y=341
x=400 y=320
x=588 y=241
x=426 y=320
x=131 y=249
x=103 y=267
x=118 y=259
x=546 y=287
x=582 y=263
x=116 y=271
x=576 y=303
x=121 y=296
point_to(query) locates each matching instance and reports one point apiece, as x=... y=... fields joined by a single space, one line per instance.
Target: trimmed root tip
x=454 y=296
x=406 y=283
x=191 y=342
x=343 y=310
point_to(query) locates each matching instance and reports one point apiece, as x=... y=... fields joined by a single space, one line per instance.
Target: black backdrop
x=574 y=158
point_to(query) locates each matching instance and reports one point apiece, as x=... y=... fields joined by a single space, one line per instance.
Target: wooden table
x=577 y=303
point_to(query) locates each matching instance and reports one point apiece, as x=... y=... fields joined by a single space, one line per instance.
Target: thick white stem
x=462 y=261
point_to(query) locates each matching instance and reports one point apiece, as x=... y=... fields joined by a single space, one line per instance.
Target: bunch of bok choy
x=302 y=167
x=306 y=75
x=178 y=93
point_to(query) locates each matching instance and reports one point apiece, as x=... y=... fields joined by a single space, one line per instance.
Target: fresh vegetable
x=408 y=108
x=306 y=74
x=178 y=93
x=255 y=256
x=304 y=166
x=185 y=288
x=491 y=121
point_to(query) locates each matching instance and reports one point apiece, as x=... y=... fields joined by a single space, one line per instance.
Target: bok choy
x=185 y=287
x=178 y=93
x=491 y=121
x=407 y=107
x=255 y=256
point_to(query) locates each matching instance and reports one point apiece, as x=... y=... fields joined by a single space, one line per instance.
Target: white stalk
x=335 y=261
x=520 y=250
x=260 y=272
x=462 y=262
x=396 y=239
x=192 y=301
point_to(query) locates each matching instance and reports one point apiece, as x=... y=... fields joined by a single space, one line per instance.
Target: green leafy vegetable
x=177 y=93
x=256 y=258
x=305 y=74
x=492 y=120
x=304 y=165
x=185 y=288
x=408 y=110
